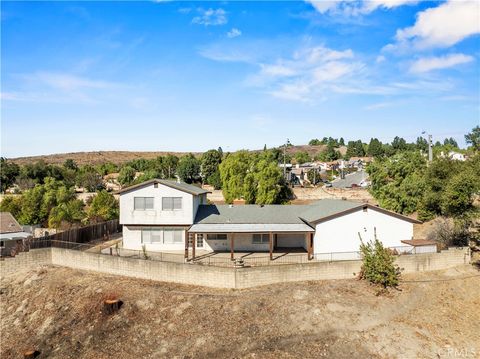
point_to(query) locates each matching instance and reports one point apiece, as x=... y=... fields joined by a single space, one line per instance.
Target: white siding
x=242 y=243
x=132 y=239
x=341 y=234
x=128 y=215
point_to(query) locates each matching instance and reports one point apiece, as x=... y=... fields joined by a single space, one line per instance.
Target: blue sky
x=189 y=76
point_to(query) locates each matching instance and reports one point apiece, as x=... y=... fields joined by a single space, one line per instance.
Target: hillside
x=58 y=312
x=119 y=157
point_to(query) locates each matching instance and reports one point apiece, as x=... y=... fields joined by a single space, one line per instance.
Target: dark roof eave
x=362 y=206
x=156 y=180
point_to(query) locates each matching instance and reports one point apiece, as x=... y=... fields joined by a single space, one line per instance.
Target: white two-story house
x=157 y=213
x=161 y=215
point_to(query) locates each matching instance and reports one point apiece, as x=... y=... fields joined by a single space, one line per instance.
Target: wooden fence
x=79 y=234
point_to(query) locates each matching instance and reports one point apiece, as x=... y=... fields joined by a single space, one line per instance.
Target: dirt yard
x=58 y=311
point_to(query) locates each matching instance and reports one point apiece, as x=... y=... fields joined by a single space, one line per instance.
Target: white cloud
x=65 y=81
x=356 y=8
x=442 y=62
x=441 y=26
x=234 y=33
x=210 y=17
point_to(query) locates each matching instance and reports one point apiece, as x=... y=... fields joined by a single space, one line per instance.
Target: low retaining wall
x=220 y=277
x=25 y=261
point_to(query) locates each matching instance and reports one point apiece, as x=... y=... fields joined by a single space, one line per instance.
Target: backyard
x=58 y=311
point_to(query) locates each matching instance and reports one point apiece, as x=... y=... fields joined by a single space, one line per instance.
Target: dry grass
x=55 y=310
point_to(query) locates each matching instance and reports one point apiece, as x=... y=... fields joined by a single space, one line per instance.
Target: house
x=355 y=179
x=161 y=215
x=12 y=235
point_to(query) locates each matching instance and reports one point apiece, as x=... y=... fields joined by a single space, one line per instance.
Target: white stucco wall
x=132 y=239
x=341 y=234
x=156 y=216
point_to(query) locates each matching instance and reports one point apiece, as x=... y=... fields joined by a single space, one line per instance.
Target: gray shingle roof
x=350 y=179
x=181 y=186
x=8 y=224
x=271 y=214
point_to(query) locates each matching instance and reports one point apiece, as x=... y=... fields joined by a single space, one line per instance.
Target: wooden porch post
x=270 y=242
x=186 y=244
x=310 y=246
x=231 y=246
x=194 y=244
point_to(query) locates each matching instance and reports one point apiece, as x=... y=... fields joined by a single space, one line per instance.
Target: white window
x=217 y=236
x=200 y=240
x=152 y=235
x=259 y=238
x=171 y=203
x=142 y=203
x=172 y=235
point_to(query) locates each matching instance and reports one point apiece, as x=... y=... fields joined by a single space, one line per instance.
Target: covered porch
x=252 y=242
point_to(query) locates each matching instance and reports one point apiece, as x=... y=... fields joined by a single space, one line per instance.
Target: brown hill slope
x=119 y=157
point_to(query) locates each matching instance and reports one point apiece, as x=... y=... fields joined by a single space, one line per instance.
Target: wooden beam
x=186 y=244
x=194 y=244
x=310 y=246
x=270 y=242
x=231 y=246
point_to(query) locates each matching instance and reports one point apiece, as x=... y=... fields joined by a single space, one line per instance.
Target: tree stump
x=30 y=354
x=110 y=306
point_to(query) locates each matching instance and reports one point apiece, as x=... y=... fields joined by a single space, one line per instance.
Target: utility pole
x=430 y=154
x=284 y=159
x=430 y=147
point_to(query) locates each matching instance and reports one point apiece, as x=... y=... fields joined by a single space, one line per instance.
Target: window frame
x=144 y=200
x=173 y=205
x=262 y=237
x=214 y=236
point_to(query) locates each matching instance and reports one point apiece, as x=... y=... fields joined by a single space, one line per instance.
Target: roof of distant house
x=419 y=242
x=181 y=186
x=350 y=179
x=8 y=224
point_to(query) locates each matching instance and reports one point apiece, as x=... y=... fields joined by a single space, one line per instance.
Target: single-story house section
x=11 y=234
x=161 y=215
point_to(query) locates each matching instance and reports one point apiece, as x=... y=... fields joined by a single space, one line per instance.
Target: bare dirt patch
x=59 y=312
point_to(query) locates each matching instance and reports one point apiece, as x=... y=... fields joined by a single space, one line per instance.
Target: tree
x=67 y=214
x=355 y=149
x=233 y=170
x=314 y=176
x=375 y=148
x=271 y=187
x=302 y=157
x=89 y=178
x=450 y=141
x=8 y=172
x=170 y=163
x=421 y=144
x=457 y=199
x=341 y=142
x=399 y=144
x=126 y=175
x=188 y=168
x=473 y=138
x=378 y=264
x=70 y=164
x=210 y=162
x=315 y=142
x=104 y=207
x=12 y=204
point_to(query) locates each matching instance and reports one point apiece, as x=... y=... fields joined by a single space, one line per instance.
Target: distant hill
x=119 y=157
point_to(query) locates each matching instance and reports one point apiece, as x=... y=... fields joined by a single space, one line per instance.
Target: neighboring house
x=456 y=156
x=166 y=215
x=355 y=179
x=12 y=235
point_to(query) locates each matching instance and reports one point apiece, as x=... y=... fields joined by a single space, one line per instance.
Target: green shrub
x=378 y=264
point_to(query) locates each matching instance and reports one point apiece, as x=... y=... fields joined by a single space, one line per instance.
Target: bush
x=378 y=264
x=450 y=233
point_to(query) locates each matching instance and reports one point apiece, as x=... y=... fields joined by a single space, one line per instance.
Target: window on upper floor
x=142 y=203
x=171 y=203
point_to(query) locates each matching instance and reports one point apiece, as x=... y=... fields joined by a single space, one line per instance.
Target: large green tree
x=188 y=168
x=126 y=175
x=375 y=148
x=210 y=172
x=104 y=207
x=8 y=172
x=473 y=138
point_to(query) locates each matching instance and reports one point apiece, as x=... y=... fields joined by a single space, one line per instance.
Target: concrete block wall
x=219 y=277
x=184 y=273
x=25 y=261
